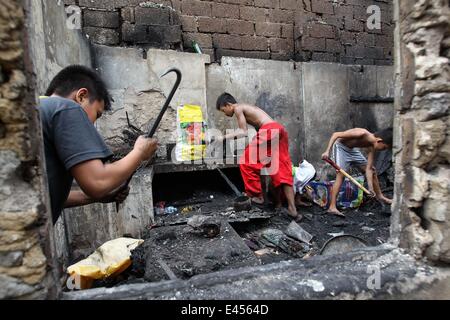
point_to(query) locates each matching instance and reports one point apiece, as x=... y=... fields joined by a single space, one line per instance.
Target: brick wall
x=302 y=30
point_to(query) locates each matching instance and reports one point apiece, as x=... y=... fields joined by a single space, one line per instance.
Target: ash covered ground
x=174 y=250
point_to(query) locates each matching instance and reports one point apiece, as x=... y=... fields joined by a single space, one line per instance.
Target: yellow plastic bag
x=191 y=134
x=110 y=260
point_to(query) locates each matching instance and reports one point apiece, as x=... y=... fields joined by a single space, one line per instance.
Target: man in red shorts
x=269 y=149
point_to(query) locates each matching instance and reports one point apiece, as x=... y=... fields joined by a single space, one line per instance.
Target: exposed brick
x=175 y=17
x=288 y=4
x=152 y=16
x=203 y=40
x=133 y=33
x=334 y=46
x=281 y=45
x=364 y=39
x=188 y=23
x=313 y=44
x=102 y=35
x=364 y=61
x=240 y=27
x=163 y=35
x=353 y=25
x=268 y=29
x=303 y=56
x=128 y=14
x=213 y=25
x=332 y=20
x=360 y=13
x=345 y=12
x=365 y=53
x=282 y=56
x=266 y=3
x=196 y=8
x=347 y=60
x=322 y=6
x=254 y=14
x=287 y=31
x=103 y=19
x=254 y=43
x=223 y=10
x=124 y=3
x=321 y=31
x=347 y=38
x=283 y=16
x=324 y=57
x=98 y=4
x=226 y=41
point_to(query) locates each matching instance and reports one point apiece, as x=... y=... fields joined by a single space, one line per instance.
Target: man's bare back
x=255 y=116
x=361 y=139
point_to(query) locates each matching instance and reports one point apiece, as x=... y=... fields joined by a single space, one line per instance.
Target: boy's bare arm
x=242 y=123
x=78 y=198
x=97 y=180
x=349 y=134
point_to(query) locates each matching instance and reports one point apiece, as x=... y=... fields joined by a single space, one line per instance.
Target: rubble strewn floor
x=187 y=254
x=173 y=250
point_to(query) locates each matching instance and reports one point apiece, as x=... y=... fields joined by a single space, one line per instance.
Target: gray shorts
x=346 y=157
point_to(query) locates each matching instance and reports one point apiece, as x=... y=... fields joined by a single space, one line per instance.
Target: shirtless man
x=345 y=156
x=269 y=149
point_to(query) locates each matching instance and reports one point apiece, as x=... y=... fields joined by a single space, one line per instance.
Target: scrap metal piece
x=167 y=270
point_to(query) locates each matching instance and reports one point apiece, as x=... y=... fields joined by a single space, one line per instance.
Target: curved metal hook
x=152 y=131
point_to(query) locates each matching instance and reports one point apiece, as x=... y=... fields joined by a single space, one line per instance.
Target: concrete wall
x=26 y=248
x=133 y=76
x=275 y=86
x=422 y=217
x=328 y=89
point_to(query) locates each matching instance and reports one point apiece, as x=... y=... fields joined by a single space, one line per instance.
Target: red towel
x=269 y=149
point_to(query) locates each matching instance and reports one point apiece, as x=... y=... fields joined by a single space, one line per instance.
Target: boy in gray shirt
x=75 y=99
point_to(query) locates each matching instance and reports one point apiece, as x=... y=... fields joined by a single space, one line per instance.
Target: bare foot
x=293 y=213
x=295 y=216
x=335 y=212
x=385 y=200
